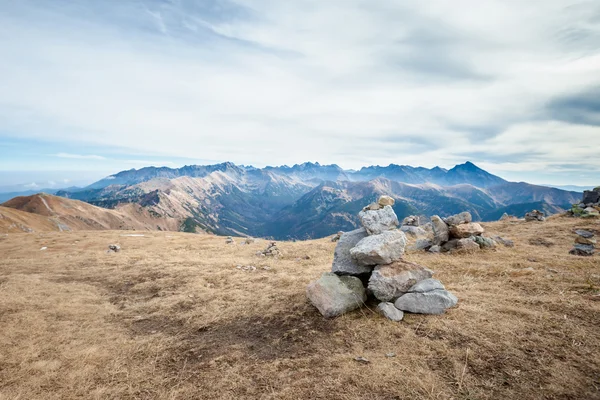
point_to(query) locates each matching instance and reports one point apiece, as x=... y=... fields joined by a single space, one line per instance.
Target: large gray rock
x=414 y=231
x=585 y=234
x=466 y=230
x=378 y=221
x=433 y=302
x=426 y=285
x=411 y=220
x=462 y=218
x=440 y=230
x=484 y=242
x=389 y=282
x=591 y=196
x=535 y=215
x=384 y=248
x=343 y=263
x=335 y=295
x=466 y=245
x=421 y=244
x=389 y=311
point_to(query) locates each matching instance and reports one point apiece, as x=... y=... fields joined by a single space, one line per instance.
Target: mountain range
x=299 y=202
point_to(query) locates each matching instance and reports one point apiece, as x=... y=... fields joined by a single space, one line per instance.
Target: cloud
x=80 y=156
x=345 y=81
x=31 y=185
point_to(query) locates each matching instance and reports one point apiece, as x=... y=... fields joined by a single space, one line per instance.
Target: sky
x=89 y=88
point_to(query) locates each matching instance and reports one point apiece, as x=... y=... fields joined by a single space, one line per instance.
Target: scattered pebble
x=114 y=247
x=362 y=360
x=389 y=355
x=43 y=248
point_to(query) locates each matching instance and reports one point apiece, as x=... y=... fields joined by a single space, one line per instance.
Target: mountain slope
x=47 y=212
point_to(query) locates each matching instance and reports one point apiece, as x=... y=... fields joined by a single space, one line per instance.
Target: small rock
x=535 y=215
x=361 y=360
x=585 y=234
x=337 y=236
x=372 y=207
x=114 y=247
x=591 y=211
x=383 y=248
x=484 y=242
x=414 y=231
x=540 y=241
x=466 y=245
x=411 y=220
x=462 y=218
x=389 y=311
x=249 y=240
x=229 y=240
x=466 y=230
x=390 y=355
x=386 y=201
x=422 y=244
x=378 y=221
x=435 y=249
x=426 y=285
x=43 y=248
x=582 y=250
x=582 y=240
x=505 y=242
x=434 y=302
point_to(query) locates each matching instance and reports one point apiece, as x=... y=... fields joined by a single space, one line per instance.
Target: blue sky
x=88 y=88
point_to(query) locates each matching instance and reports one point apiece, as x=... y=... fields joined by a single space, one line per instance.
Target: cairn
x=535 y=215
x=229 y=240
x=369 y=260
x=271 y=251
x=585 y=244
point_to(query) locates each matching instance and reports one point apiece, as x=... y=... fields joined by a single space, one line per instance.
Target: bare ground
x=171 y=317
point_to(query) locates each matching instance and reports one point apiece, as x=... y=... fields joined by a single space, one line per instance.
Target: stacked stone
x=271 y=251
x=229 y=240
x=585 y=244
x=369 y=259
x=410 y=226
x=589 y=205
x=535 y=215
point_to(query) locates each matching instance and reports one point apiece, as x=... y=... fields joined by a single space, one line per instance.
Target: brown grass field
x=171 y=317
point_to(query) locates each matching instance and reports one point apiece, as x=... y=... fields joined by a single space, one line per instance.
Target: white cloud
x=80 y=156
x=31 y=185
x=345 y=81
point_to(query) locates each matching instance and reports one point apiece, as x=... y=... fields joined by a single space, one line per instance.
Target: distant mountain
x=308 y=200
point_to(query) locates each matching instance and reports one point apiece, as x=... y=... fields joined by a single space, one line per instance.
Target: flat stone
x=389 y=282
x=484 y=242
x=462 y=218
x=433 y=302
x=383 y=248
x=466 y=230
x=411 y=220
x=466 y=245
x=582 y=240
x=335 y=295
x=582 y=250
x=435 y=249
x=386 y=201
x=591 y=211
x=389 y=311
x=440 y=230
x=343 y=263
x=426 y=285
x=378 y=221
x=449 y=245
x=585 y=234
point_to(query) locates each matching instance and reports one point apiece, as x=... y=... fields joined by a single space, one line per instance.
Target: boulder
x=535 y=215
x=440 y=230
x=378 y=221
x=386 y=201
x=383 y=248
x=484 y=242
x=466 y=230
x=389 y=282
x=413 y=230
x=582 y=250
x=433 y=302
x=389 y=311
x=462 y=218
x=449 y=245
x=335 y=295
x=591 y=196
x=343 y=263
x=466 y=245
x=591 y=211
x=428 y=227
x=426 y=285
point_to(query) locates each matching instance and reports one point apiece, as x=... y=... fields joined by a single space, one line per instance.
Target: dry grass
x=170 y=317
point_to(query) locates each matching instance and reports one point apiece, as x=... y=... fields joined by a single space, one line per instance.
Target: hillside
x=42 y=212
x=310 y=200
x=171 y=317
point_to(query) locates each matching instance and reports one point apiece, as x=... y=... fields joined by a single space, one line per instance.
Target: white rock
x=383 y=248
x=378 y=221
x=335 y=295
x=389 y=311
x=388 y=282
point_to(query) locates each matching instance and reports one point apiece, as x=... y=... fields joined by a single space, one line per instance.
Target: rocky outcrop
x=335 y=295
